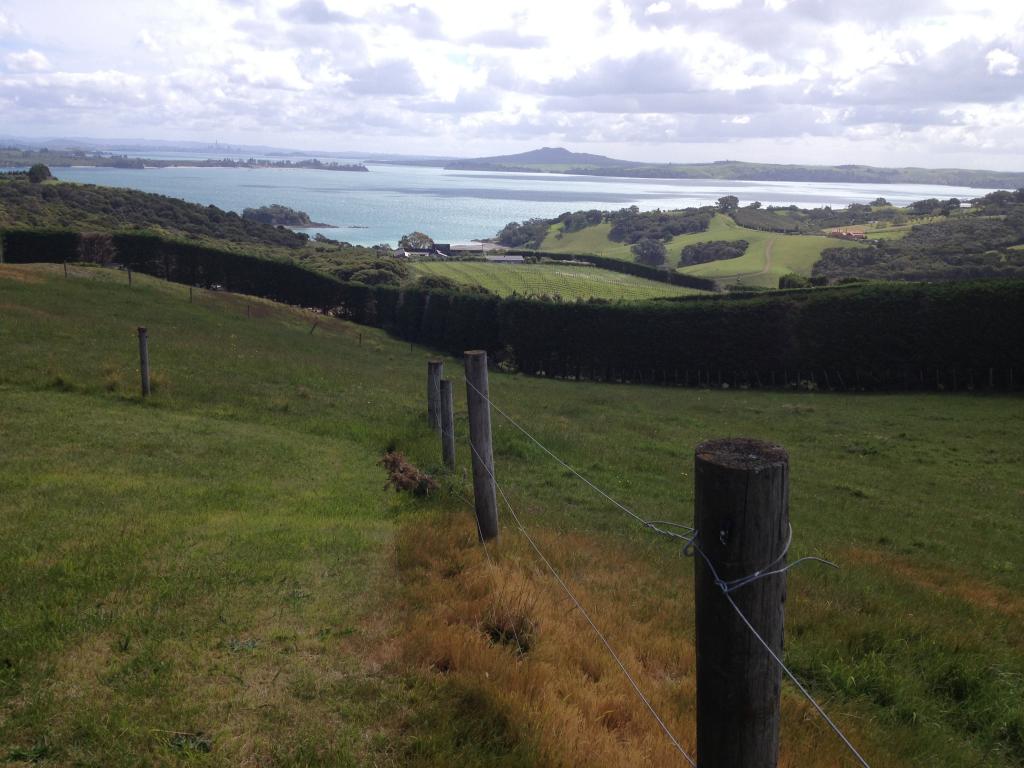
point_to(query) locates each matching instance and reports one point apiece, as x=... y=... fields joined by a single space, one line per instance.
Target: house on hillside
x=505 y=259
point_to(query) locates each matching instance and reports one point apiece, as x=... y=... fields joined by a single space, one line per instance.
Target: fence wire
x=691 y=547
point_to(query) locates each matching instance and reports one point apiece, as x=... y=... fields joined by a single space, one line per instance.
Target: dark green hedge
x=874 y=336
x=629 y=268
x=44 y=245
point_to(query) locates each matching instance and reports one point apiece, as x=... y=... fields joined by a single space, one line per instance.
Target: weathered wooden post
x=447 y=424
x=65 y=270
x=144 y=360
x=742 y=519
x=478 y=401
x=435 y=370
x=129 y=277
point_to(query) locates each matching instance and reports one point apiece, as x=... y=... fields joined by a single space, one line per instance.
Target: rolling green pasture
x=217 y=576
x=565 y=280
x=769 y=256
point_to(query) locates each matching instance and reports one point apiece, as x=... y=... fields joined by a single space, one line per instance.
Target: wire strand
x=585 y=614
x=689 y=548
x=726 y=592
x=620 y=505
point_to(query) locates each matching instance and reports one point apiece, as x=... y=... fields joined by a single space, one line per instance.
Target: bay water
x=458 y=206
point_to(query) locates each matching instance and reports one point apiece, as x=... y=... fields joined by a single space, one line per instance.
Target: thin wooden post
x=478 y=400
x=144 y=360
x=447 y=424
x=435 y=370
x=190 y=294
x=742 y=519
x=129 y=277
x=248 y=310
x=65 y=270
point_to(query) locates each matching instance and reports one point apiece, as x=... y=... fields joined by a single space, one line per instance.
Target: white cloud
x=147 y=41
x=1002 y=62
x=27 y=61
x=8 y=28
x=713 y=76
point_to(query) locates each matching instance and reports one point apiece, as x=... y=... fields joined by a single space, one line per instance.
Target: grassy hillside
x=216 y=576
x=769 y=256
x=565 y=280
x=91 y=208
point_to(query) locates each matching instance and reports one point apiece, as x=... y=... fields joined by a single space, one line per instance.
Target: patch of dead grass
x=947 y=582
x=565 y=690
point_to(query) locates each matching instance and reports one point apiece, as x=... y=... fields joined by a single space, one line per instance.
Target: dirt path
x=768 y=256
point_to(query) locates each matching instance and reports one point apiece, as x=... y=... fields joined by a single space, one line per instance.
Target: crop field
x=217 y=576
x=565 y=280
x=769 y=256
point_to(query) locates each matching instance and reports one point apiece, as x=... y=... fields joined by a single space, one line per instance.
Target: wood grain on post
x=447 y=424
x=477 y=398
x=435 y=370
x=742 y=519
x=144 y=360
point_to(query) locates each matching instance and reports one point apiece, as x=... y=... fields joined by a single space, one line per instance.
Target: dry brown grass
x=20 y=274
x=947 y=582
x=562 y=691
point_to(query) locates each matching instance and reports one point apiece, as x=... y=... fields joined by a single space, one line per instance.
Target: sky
x=882 y=82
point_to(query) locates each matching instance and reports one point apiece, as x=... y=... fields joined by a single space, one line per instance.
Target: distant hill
x=561 y=160
x=545 y=158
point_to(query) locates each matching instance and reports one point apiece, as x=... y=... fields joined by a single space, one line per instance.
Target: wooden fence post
x=447 y=424
x=742 y=519
x=65 y=270
x=190 y=294
x=435 y=370
x=477 y=399
x=144 y=360
x=129 y=277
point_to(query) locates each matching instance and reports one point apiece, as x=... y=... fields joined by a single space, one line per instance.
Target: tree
x=879 y=202
x=649 y=252
x=415 y=241
x=728 y=203
x=39 y=173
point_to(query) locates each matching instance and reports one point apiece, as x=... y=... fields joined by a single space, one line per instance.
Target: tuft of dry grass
x=555 y=682
x=403 y=475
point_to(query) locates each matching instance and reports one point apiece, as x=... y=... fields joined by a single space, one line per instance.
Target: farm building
x=505 y=259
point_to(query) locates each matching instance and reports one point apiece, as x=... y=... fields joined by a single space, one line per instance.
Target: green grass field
x=216 y=576
x=768 y=257
x=565 y=280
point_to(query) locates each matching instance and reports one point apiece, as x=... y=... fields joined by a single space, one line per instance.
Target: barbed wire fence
x=683 y=534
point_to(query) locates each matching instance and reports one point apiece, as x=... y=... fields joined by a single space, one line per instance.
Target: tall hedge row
x=902 y=335
x=629 y=268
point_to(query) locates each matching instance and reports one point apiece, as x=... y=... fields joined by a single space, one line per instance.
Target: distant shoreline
x=10 y=158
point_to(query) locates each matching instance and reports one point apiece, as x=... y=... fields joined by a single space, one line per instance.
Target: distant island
x=13 y=158
x=282 y=216
x=561 y=160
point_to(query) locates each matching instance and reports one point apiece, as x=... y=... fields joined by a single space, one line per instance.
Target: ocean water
x=457 y=206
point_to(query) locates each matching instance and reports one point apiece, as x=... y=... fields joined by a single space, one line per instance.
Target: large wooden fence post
x=447 y=424
x=435 y=370
x=144 y=360
x=477 y=398
x=742 y=521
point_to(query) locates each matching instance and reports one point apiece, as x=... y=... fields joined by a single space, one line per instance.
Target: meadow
x=216 y=575
x=769 y=256
x=565 y=280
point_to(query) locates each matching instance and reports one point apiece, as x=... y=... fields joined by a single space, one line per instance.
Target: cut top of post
x=142 y=329
x=742 y=453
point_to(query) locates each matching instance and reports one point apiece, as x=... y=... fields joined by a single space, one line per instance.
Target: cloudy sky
x=894 y=82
